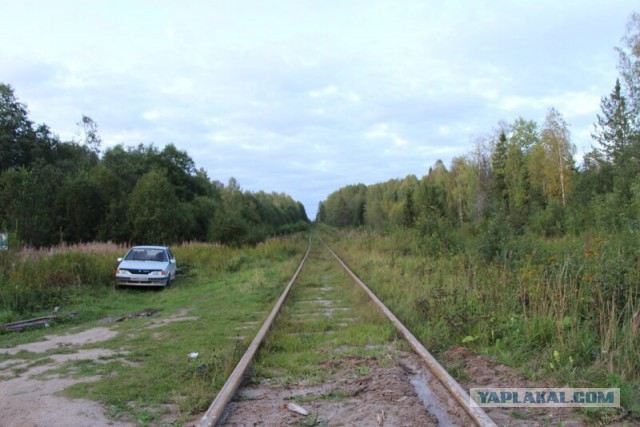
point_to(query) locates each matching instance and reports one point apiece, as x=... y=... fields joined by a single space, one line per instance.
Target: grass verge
x=214 y=309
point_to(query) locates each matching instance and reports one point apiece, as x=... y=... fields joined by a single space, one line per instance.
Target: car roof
x=150 y=247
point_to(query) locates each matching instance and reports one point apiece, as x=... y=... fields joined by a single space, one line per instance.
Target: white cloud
x=178 y=86
x=264 y=148
x=151 y=115
x=170 y=32
x=125 y=137
x=570 y=104
x=327 y=91
x=219 y=137
x=333 y=91
x=382 y=131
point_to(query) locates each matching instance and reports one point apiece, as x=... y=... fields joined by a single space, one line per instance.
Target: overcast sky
x=305 y=97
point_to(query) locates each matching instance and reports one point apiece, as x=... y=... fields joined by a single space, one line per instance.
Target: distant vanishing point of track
x=396 y=386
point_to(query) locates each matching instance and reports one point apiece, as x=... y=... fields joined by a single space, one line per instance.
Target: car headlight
x=157 y=273
x=120 y=271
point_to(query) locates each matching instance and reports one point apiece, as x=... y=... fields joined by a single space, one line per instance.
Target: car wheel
x=168 y=281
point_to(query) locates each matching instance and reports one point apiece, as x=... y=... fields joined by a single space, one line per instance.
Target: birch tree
x=557 y=155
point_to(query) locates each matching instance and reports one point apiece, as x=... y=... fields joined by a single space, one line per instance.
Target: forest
x=54 y=191
x=522 y=179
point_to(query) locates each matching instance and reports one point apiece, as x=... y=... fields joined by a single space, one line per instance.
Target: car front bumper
x=135 y=280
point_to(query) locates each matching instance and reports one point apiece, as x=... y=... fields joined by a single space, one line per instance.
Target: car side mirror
x=172 y=261
x=119 y=259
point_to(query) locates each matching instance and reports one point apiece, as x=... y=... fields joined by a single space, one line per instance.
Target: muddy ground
x=395 y=392
x=391 y=395
x=483 y=371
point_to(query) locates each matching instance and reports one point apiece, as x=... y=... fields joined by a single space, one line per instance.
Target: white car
x=146 y=266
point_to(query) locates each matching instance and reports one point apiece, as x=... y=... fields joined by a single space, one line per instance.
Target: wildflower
x=556 y=356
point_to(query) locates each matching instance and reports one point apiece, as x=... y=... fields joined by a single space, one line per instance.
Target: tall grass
x=38 y=280
x=566 y=308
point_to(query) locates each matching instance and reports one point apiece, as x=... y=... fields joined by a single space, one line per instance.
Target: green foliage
x=345 y=207
x=489 y=242
x=63 y=192
x=549 y=221
x=245 y=218
x=155 y=214
x=81 y=205
x=21 y=143
x=28 y=201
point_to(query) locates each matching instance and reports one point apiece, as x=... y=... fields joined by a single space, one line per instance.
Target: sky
x=305 y=97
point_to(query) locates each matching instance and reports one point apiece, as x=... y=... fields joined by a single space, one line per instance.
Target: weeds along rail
x=325 y=276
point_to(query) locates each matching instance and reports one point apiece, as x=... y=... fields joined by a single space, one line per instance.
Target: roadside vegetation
x=214 y=309
x=33 y=282
x=515 y=250
x=554 y=310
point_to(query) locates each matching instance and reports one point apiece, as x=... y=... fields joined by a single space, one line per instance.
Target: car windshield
x=146 y=255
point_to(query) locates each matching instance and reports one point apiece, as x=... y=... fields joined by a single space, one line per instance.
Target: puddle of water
x=420 y=383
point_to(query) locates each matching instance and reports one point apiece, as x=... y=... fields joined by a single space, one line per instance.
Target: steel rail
x=226 y=393
x=476 y=413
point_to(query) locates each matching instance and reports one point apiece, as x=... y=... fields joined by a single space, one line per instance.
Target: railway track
x=332 y=353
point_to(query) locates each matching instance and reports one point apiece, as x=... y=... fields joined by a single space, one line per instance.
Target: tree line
x=54 y=191
x=522 y=179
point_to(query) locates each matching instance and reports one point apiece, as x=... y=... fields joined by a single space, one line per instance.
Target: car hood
x=144 y=265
